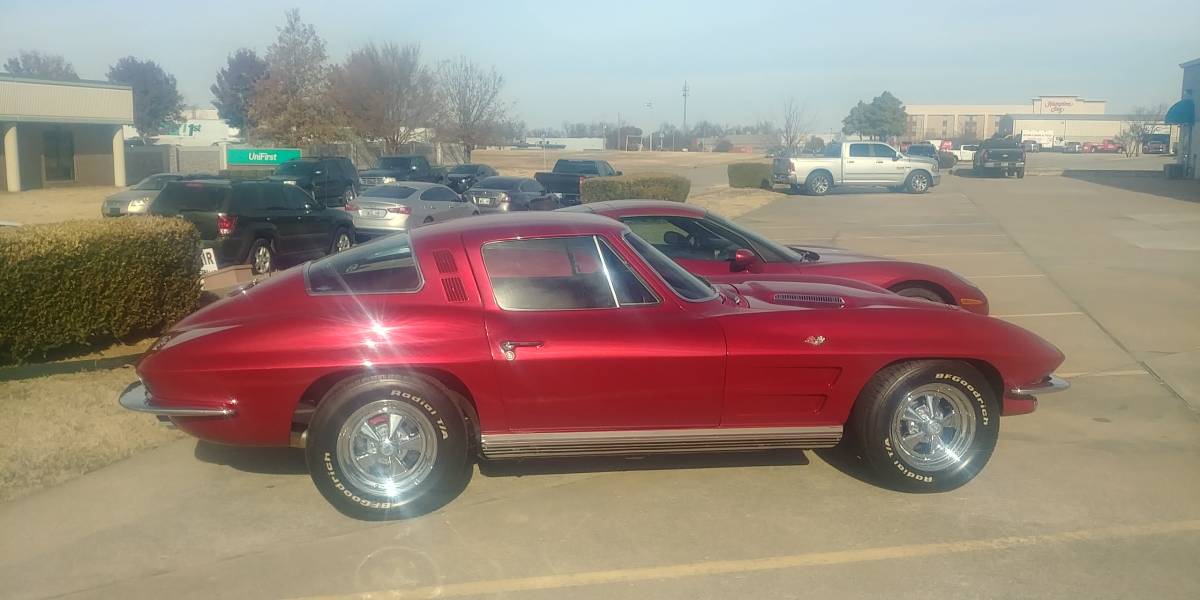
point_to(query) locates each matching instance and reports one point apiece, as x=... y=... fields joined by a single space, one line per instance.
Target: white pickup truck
x=858 y=163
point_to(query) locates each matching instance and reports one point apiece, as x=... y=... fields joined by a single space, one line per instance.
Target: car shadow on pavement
x=839 y=191
x=1145 y=182
x=604 y=464
x=271 y=461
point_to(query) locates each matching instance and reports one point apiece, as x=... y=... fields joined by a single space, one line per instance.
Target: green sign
x=260 y=156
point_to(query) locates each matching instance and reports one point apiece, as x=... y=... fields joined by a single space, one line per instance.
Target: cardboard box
x=227 y=278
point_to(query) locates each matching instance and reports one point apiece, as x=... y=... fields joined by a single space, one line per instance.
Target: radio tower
x=685 y=96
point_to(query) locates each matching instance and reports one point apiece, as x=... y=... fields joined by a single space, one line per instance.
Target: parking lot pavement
x=1094 y=495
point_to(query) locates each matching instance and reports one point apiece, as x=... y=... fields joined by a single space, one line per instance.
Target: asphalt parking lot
x=1097 y=494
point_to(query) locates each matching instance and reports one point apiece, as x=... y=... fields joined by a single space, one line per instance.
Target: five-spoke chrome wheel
x=387 y=447
x=933 y=427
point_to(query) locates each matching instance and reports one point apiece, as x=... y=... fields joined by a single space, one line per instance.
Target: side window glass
x=884 y=151
x=296 y=199
x=273 y=197
x=664 y=235
x=247 y=198
x=860 y=150
x=568 y=273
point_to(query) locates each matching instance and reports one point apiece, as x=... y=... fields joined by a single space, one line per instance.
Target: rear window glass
x=498 y=183
x=191 y=196
x=387 y=265
x=395 y=192
x=576 y=167
x=396 y=162
x=463 y=170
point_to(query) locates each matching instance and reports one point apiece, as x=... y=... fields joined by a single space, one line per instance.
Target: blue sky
x=587 y=61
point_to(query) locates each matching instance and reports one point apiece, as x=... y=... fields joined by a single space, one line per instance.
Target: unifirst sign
x=260 y=156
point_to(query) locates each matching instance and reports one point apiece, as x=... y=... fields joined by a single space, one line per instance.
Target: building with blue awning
x=1184 y=114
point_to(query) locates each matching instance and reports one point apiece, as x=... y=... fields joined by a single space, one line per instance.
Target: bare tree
x=1144 y=120
x=471 y=100
x=385 y=94
x=795 y=124
x=291 y=104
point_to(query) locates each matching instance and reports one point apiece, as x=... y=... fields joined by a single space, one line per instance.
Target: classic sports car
x=720 y=251
x=551 y=334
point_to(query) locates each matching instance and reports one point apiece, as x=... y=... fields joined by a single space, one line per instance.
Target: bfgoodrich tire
x=387 y=447
x=926 y=426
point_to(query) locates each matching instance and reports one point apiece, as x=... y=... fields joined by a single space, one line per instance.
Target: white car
x=392 y=207
x=858 y=163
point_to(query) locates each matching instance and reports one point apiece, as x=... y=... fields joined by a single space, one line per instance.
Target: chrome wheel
x=262 y=259
x=387 y=447
x=919 y=183
x=933 y=427
x=343 y=242
x=820 y=184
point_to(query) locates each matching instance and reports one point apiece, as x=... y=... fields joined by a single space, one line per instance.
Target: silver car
x=137 y=198
x=392 y=207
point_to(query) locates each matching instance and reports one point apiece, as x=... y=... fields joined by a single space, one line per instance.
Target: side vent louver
x=455 y=292
x=444 y=261
x=831 y=301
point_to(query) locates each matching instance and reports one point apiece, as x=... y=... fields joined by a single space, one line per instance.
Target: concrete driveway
x=1095 y=495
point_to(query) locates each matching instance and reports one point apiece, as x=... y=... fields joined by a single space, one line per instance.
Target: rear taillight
x=581 y=180
x=225 y=224
x=351 y=207
x=400 y=210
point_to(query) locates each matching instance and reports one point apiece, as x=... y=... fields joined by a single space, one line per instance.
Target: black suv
x=266 y=224
x=331 y=179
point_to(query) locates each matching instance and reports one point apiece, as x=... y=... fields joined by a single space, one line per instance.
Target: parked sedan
x=391 y=207
x=460 y=178
x=719 y=250
x=557 y=334
x=137 y=198
x=508 y=194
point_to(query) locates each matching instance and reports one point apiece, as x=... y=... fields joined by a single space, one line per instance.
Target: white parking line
x=1002 y=276
x=904 y=237
x=954 y=254
x=1052 y=314
x=936 y=224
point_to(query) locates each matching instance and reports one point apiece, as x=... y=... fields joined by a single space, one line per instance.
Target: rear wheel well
x=446 y=382
x=945 y=294
x=825 y=172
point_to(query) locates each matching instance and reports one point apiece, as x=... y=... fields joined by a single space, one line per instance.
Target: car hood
x=826 y=293
x=830 y=254
x=398 y=173
x=128 y=195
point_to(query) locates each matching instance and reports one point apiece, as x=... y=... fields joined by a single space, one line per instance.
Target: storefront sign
x=260 y=156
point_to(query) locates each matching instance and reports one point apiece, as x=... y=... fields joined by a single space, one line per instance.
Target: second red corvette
x=721 y=251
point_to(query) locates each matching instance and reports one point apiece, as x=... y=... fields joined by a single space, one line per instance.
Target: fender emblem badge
x=815 y=340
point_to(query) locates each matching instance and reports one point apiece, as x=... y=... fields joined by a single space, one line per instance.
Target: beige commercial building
x=62 y=132
x=1185 y=113
x=980 y=121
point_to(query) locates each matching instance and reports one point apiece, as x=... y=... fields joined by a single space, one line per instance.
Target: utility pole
x=685 y=97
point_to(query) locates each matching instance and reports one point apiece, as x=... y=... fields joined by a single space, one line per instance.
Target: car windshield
x=398 y=163
x=299 y=167
x=396 y=192
x=463 y=169
x=155 y=182
x=499 y=183
x=688 y=286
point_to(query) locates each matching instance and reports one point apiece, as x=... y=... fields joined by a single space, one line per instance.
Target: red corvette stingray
x=720 y=251
x=550 y=334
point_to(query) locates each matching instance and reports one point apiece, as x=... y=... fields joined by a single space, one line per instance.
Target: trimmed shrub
x=245 y=174
x=750 y=175
x=946 y=160
x=642 y=186
x=84 y=282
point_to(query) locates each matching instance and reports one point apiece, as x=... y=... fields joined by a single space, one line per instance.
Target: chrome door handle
x=509 y=348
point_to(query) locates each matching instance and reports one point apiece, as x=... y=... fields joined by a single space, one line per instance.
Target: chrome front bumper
x=136 y=398
x=1049 y=385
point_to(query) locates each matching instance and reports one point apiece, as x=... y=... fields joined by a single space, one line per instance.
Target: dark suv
x=266 y=224
x=331 y=179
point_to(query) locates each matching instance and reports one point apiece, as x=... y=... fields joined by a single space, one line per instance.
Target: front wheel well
x=945 y=294
x=445 y=381
x=995 y=381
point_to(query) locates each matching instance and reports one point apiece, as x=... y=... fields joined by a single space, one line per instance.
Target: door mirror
x=897 y=156
x=742 y=260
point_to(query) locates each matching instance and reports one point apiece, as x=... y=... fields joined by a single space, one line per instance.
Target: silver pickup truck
x=858 y=163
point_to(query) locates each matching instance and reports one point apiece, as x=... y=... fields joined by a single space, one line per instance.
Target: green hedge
x=86 y=282
x=750 y=175
x=245 y=174
x=642 y=186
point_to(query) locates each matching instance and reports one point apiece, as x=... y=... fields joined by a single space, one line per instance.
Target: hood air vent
x=810 y=299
